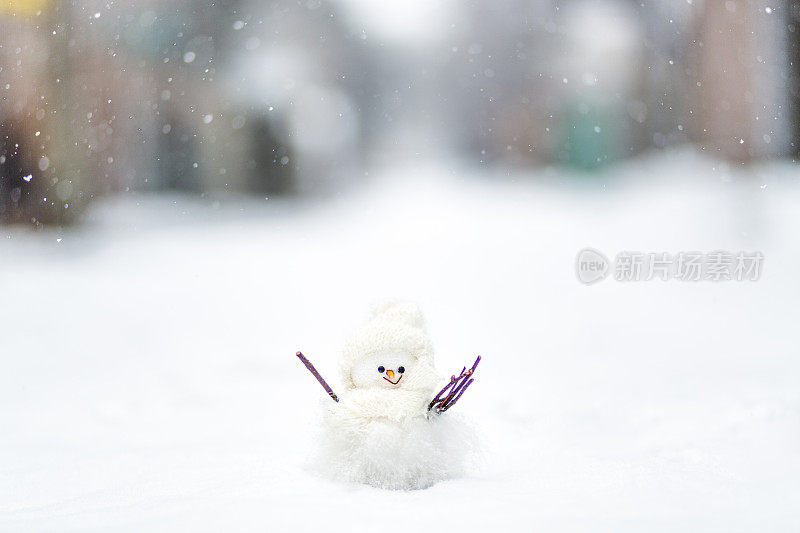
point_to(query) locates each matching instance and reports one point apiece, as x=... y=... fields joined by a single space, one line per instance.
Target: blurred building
x=42 y=160
x=210 y=97
x=741 y=94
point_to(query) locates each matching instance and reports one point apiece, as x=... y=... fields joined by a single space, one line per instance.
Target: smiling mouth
x=393 y=382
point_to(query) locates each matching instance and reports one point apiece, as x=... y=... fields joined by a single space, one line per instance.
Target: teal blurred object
x=590 y=136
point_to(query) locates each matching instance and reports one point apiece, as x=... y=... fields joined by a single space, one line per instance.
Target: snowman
x=388 y=429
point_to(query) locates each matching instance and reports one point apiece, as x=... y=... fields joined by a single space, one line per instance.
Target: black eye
x=381 y=369
x=401 y=369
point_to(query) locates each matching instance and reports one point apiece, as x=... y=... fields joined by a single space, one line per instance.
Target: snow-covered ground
x=148 y=379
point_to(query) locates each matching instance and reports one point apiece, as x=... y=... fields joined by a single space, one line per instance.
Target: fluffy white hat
x=393 y=327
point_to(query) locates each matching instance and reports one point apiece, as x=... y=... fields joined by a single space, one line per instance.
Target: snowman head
x=391 y=351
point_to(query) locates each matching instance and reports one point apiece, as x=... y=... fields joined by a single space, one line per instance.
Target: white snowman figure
x=388 y=429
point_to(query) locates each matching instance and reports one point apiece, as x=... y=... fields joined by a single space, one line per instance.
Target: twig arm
x=322 y=382
x=457 y=386
x=436 y=399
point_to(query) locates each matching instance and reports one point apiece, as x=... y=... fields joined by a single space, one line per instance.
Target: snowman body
x=380 y=432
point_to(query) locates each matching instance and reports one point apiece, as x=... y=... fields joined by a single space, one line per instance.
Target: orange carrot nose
x=390 y=373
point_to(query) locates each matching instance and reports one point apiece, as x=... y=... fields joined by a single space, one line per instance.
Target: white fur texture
x=412 y=453
x=380 y=433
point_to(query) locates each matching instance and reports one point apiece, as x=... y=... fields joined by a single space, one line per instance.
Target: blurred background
x=301 y=97
x=193 y=190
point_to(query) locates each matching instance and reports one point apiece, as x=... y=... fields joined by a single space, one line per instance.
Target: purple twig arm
x=457 y=386
x=453 y=379
x=322 y=382
x=451 y=404
x=455 y=391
